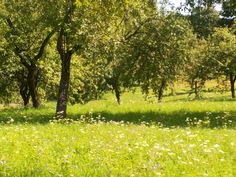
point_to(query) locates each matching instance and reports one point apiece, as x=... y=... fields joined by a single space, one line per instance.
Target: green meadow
x=182 y=136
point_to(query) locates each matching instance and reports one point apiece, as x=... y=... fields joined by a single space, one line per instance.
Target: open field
x=73 y=79
x=179 y=137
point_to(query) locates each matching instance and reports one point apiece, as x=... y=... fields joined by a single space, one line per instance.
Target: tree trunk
x=196 y=88
x=65 y=51
x=32 y=83
x=24 y=92
x=161 y=90
x=62 y=99
x=114 y=82
x=192 y=83
x=232 y=83
x=117 y=91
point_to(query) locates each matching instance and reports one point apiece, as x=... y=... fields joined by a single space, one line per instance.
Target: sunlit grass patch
x=115 y=149
x=179 y=137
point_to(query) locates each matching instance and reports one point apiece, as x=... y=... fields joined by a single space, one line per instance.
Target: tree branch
x=10 y=24
x=131 y=34
x=44 y=44
x=60 y=46
x=17 y=51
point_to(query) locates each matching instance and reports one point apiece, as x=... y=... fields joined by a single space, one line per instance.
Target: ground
x=179 y=137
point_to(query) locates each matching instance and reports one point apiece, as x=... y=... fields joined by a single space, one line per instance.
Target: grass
x=179 y=137
x=115 y=150
x=172 y=112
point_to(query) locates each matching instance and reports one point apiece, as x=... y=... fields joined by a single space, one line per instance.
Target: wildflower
x=3 y=162
x=192 y=145
x=171 y=153
x=207 y=150
x=145 y=144
x=222 y=152
x=216 y=146
x=195 y=159
x=188 y=133
x=183 y=162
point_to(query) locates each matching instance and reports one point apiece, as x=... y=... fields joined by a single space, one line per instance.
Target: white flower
x=192 y=145
x=216 y=146
x=195 y=159
x=222 y=152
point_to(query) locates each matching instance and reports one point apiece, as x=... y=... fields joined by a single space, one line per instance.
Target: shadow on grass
x=190 y=96
x=170 y=119
x=25 y=115
x=173 y=119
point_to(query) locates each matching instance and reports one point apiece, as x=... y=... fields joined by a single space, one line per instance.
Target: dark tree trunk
x=117 y=91
x=114 y=82
x=65 y=51
x=62 y=99
x=196 y=88
x=232 y=83
x=192 y=84
x=32 y=84
x=161 y=90
x=24 y=92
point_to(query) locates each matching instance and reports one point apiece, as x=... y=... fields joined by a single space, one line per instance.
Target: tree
x=222 y=55
x=71 y=20
x=79 y=23
x=159 y=53
x=203 y=16
x=196 y=70
x=228 y=12
x=229 y=9
x=27 y=35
